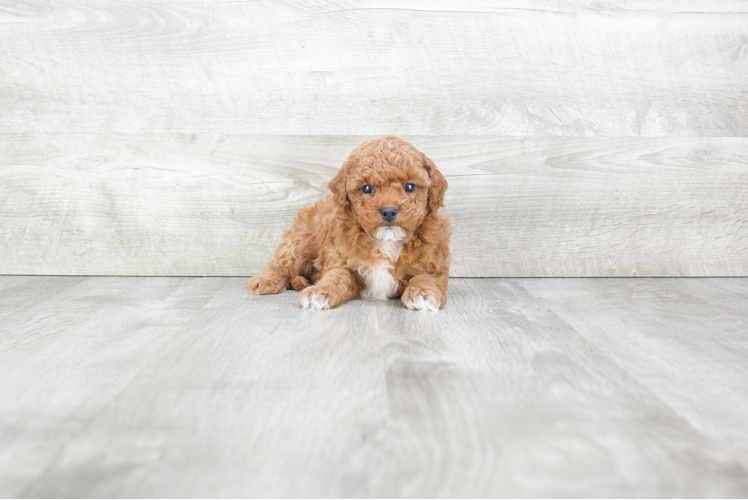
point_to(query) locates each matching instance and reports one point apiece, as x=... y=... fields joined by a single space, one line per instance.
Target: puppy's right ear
x=438 y=185
x=337 y=184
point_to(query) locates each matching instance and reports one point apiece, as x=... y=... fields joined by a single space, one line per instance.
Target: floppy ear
x=337 y=184
x=438 y=185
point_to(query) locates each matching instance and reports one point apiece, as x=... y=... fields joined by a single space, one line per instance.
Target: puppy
x=377 y=234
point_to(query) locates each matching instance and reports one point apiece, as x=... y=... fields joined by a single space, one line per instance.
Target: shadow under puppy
x=377 y=234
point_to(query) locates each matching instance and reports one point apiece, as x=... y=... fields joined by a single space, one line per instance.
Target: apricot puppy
x=377 y=234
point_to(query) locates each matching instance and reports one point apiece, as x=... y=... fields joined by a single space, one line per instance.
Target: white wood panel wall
x=580 y=138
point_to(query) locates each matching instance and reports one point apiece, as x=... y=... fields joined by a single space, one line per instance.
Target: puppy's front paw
x=266 y=283
x=314 y=298
x=416 y=299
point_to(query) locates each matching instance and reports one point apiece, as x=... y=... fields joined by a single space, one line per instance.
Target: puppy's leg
x=299 y=283
x=425 y=292
x=267 y=282
x=336 y=286
x=292 y=258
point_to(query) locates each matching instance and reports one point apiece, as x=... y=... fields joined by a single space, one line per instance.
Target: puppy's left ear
x=438 y=185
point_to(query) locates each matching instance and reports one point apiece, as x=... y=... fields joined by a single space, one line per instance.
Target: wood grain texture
x=165 y=387
x=570 y=68
x=715 y=388
x=22 y=292
x=175 y=204
x=75 y=348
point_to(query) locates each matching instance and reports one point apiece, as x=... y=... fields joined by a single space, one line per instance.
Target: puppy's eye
x=367 y=189
x=409 y=187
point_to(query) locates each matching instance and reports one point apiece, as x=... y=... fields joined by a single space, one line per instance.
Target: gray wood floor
x=131 y=387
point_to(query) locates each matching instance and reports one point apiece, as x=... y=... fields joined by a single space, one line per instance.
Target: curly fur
x=341 y=248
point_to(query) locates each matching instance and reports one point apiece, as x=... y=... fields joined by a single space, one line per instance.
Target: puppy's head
x=389 y=187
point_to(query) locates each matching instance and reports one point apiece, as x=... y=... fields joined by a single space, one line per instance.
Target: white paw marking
x=314 y=301
x=424 y=302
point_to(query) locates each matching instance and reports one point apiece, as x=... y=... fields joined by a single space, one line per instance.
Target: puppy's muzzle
x=389 y=213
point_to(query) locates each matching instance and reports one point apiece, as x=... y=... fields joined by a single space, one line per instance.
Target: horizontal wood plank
x=415 y=67
x=178 y=204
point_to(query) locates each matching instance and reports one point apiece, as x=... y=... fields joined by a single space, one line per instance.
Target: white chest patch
x=380 y=284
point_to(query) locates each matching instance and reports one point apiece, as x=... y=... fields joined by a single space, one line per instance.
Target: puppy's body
x=387 y=243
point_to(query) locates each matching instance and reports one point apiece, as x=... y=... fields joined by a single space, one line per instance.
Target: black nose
x=389 y=213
